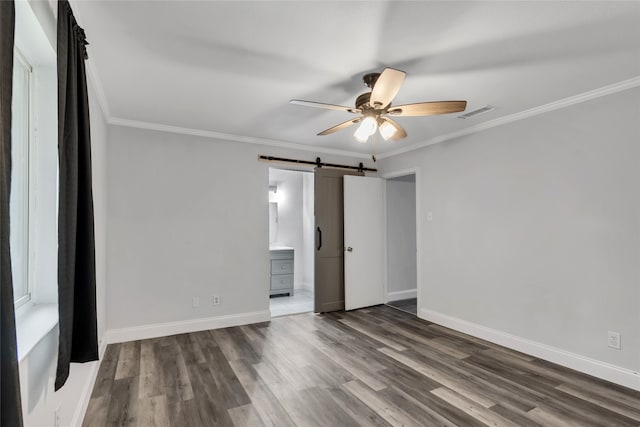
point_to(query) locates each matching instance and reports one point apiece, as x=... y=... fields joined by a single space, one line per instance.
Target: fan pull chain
x=373 y=148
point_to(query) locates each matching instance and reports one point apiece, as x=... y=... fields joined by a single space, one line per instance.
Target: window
x=20 y=190
x=33 y=210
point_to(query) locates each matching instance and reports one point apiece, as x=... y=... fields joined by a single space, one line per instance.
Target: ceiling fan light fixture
x=367 y=128
x=360 y=135
x=374 y=108
x=369 y=125
x=387 y=130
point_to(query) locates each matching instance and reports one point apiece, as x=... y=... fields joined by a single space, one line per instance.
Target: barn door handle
x=319 y=239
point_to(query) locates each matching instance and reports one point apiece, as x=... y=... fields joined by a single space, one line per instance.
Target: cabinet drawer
x=284 y=282
x=281 y=266
x=281 y=254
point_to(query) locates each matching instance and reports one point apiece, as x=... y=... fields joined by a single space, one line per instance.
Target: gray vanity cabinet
x=281 y=272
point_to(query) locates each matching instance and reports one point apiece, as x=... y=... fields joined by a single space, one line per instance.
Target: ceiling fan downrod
x=370 y=79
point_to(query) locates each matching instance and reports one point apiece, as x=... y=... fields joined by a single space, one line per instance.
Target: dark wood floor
x=409 y=305
x=371 y=367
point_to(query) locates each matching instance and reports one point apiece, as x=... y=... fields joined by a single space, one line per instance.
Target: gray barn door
x=329 y=259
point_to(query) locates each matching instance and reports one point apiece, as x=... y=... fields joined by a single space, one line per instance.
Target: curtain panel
x=10 y=404
x=76 y=240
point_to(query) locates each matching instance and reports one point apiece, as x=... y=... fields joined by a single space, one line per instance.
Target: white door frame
x=396 y=174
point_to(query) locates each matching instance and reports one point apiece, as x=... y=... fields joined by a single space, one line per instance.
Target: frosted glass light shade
x=369 y=125
x=387 y=130
x=367 y=128
x=361 y=136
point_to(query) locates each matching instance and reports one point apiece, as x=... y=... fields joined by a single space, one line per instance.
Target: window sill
x=33 y=323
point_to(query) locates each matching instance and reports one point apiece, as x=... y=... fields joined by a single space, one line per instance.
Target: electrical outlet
x=56 y=417
x=613 y=340
x=429 y=216
x=215 y=300
x=195 y=302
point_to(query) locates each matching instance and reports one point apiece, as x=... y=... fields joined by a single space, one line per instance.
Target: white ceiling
x=231 y=67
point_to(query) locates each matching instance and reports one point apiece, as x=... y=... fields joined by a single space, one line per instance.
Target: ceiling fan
x=374 y=108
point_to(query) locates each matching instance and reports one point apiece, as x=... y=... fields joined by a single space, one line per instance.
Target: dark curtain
x=10 y=405
x=76 y=242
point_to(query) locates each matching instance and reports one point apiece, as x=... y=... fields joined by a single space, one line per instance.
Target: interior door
x=329 y=253
x=364 y=228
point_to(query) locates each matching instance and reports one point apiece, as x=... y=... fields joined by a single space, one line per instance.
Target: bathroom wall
x=308 y=231
x=295 y=220
x=289 y=215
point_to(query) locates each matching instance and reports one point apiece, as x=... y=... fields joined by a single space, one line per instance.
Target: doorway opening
x=291 y=241
x=402 y=243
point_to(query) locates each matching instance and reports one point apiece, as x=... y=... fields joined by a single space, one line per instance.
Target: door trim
x=394 y=174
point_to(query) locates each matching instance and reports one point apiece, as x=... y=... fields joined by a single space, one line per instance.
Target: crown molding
x=551 y=106
x=231 y=137
x=555 y=105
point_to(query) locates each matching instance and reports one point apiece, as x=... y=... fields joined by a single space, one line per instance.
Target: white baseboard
x=596 y=368
x=184 y=326
x=83 y=399
x=398 y=295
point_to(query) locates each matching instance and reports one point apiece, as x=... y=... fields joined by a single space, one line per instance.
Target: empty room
x=319 y=213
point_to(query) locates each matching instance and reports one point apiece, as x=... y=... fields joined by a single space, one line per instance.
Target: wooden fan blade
x=325 y=106
x=428 y=108
x=400 y=132
x=386 y=87
x=340 y=126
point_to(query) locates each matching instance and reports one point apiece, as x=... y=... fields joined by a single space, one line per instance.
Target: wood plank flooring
x=370 y=367
x=410 y=305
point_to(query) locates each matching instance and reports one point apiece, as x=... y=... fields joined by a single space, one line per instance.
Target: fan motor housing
x=362 y=101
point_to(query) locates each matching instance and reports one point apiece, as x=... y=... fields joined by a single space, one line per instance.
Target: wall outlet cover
x=613 y=340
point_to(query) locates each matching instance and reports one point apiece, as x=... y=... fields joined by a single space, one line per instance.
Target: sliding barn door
x=329 y=253
x=364 y=229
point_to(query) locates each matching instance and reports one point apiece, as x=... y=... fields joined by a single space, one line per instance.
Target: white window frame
x=19 y=57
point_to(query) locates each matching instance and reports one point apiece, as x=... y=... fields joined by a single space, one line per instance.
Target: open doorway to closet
x=291 y=241
x=402 y=243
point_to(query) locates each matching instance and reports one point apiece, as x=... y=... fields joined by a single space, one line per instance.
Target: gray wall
x=536 y=228
x=99 y=138
x=187 y=216
x=401 y=236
